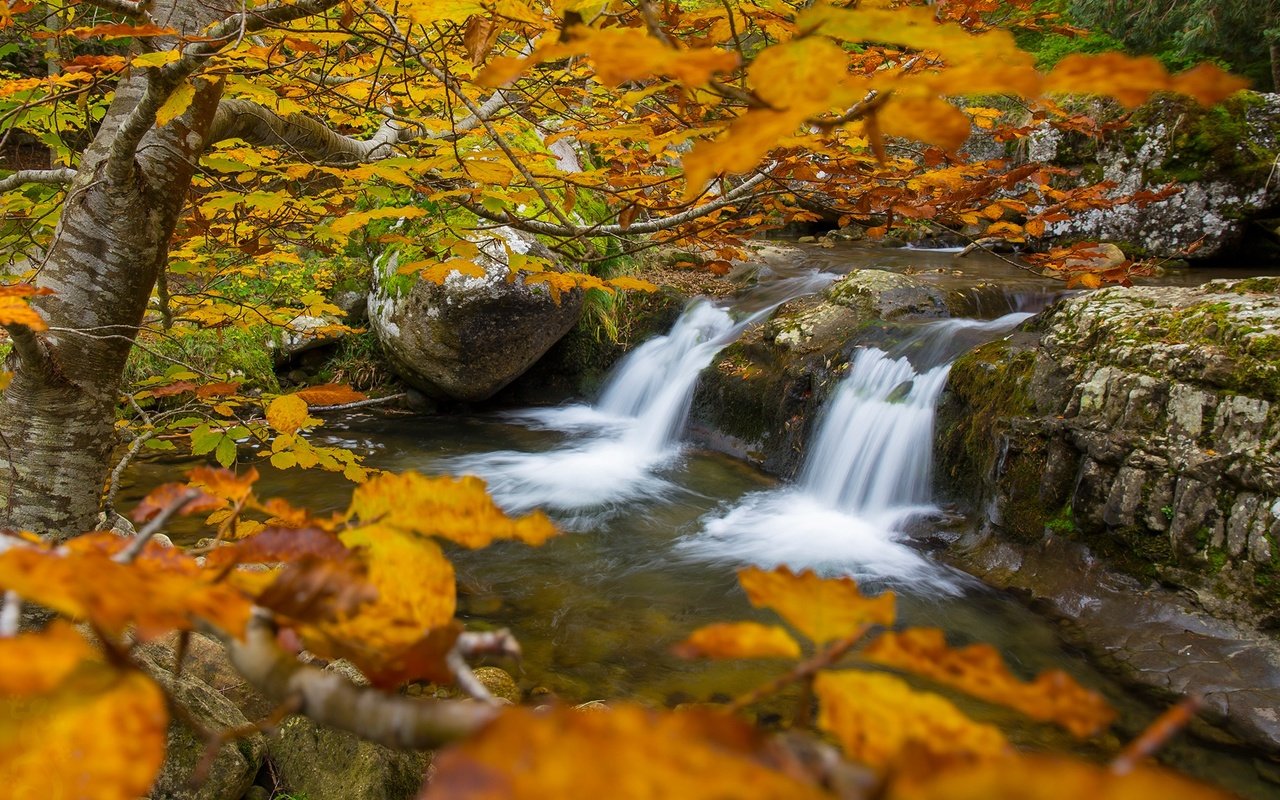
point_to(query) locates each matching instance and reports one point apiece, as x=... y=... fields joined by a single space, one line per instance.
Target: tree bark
x=57 y=416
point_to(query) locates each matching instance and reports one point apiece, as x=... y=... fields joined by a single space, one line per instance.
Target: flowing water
x=656 y=529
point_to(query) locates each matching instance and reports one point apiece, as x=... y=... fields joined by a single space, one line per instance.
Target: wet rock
x=1154 y=413
x=324 y=764
x=237 y=763
x=468 y=337
x=499 y=683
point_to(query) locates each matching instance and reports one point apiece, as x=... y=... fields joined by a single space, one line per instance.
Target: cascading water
x=632 y=432
x=868 y=473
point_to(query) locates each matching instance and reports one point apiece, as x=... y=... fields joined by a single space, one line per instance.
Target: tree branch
x=329 y=699
x=164 y=81
x=53 y=177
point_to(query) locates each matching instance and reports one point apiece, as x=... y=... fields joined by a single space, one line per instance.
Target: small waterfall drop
x=867 y=474
x=623 y=441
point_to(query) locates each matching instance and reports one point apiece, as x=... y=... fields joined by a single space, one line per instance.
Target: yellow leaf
x=352 y=222
x=740 y=148
x=177 y=103
x=38 y=662
x=627 y=283
x=876 y=716
x=623 y=753
x=798 y=73
x=437 y=273
x=287 y=413
x=925 y=119
x=430 y=12
x=1131 y=80
x=823 y=609
x=979 y=670
x=739 y=640
x=459 y=510
x=101 y=734
x=1046 y=777
x=16 y=311
x=157 y=58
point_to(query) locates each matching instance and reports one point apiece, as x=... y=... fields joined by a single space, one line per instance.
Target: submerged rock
x=1143 y=422
x=466 y=338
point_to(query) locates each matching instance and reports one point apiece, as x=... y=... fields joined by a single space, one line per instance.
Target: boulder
x=467 y=337
x=321 y=763
x=237 y=763
x=1141 y=421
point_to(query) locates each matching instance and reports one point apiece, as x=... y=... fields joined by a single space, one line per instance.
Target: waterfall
x=618 y=446
x=867 y=474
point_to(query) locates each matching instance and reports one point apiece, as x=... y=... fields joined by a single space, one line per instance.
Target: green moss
x=1063 y=523
x=1203 y=144
x=1217 y=559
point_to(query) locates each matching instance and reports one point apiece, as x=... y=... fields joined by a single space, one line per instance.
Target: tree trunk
x=57 y=416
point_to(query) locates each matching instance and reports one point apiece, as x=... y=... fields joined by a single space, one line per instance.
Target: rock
x=325 y=764
x=1220 y=157
x=304 y=333
x=1099 y=257
x=468 y=337
x=499 y=683
x=1143 y=422
x=354 y=305
x=237 y=762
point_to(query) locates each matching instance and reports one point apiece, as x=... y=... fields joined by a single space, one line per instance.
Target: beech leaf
x=823 y=609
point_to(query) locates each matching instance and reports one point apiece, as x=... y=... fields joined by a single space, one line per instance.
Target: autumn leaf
x=424 y=660
x=1047 y=777
x=177 y=103
x=162 y=590
x=739 y=640
x=457 y=509
x=14 y=310
x=627 y=283
x=100 y=734
x=273 y=545
x=230 y=486
x=979 y=670
x=317 y=590
x=623 y=753
x=287 y=413
x=37 y=662
x=823 y=609
x=330 y=394
x=168 y=494
x=875 y=717
x=1131 y=80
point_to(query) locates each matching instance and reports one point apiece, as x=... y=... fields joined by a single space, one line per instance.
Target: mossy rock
x=321 y=763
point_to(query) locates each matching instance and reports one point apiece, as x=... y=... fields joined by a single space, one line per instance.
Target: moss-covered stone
x=324 y=764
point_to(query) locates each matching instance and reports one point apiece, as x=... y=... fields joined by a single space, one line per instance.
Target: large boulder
x=1220 y=158
x=1143 y=422
x=321 y=763
x=467 y=337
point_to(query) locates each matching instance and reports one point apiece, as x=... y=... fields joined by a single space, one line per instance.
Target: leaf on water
x=457 y=509
x=100 y=734
x=823 y=609
x=1047 y=777
x=980 y=671
x=877 y=717
x=287 y=413
x=739 y=640
x=623 y=753
x=37 y=662
x=166 y=494
x=330 y=394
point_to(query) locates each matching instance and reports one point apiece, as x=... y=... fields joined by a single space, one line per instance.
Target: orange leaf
x=168 y=390
x=624 y=753
x=330 y=394
x=739 y=640
x=1045 y=777
x=457 y=509
x=877 y=717
x=166 y=494
x=822 y=609
x=16 y=311
x=313 y=589
x=424 y=660
x=22 y=290
x=101 y=734
x=221 y=389
x=979 y=670
x=273 y=545
x=224 y=483
x=38 y=662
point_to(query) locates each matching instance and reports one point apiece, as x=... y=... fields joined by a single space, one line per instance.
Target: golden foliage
x=287 y=413
x=37 y=662
x=330 y=394
x=457 y=509
x=16 y=311
x=876 y=717
x=101 y=733
x=822 y=609
x=739 y=640
x=623 y=753
x=978 y=670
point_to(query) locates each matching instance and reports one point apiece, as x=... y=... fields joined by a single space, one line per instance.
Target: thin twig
x=802 y=671
x=127 y=555
x=1156 y=735
x=373 y=401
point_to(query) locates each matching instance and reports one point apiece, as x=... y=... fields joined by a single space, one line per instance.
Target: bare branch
x=130 y=553
x=10 y=614
x=54 y=177
x=329 y=699
x=373 y=401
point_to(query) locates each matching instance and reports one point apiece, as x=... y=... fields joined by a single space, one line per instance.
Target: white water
x=866 y=476
x=622 y=443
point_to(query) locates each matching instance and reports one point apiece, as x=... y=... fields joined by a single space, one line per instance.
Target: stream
x=654 y=530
